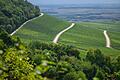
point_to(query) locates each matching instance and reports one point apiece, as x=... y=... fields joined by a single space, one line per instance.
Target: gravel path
x=60 y=33
x=108 y=44
x=25 y=23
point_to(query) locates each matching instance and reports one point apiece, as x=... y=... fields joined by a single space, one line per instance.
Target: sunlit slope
x=114 y=33
x=44 y=28
x=90 y=35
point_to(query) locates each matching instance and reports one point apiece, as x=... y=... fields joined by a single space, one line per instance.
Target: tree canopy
x=15 y=12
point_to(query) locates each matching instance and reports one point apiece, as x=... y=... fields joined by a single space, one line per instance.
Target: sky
x=43 y=2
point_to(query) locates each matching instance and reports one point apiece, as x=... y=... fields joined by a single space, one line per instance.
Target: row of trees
x=49 y=61
x=15 y=12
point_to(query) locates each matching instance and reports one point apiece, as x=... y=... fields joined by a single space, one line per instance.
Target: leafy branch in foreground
x=39 y=61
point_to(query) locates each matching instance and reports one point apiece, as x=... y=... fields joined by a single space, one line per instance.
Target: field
x=90 y=35
x=85 y=35
x=44 y=28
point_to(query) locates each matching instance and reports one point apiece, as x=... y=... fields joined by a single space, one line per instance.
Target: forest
x=46 y=61
x=13 y=13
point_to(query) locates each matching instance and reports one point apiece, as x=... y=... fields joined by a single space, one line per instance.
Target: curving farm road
x=25 y=23
x=60 y=33
x=108 y=44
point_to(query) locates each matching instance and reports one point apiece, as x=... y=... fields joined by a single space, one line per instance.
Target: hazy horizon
x=58 y=2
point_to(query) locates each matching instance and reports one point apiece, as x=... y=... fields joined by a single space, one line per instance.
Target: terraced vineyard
x=90 y=35
x=84 y=35
x=44 y=28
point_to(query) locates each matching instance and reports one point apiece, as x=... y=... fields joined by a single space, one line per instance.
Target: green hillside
x=13 y=13
x=45 y=61
x=44 y=28
x=84 y=35
x=31 y=54
x=90 y=35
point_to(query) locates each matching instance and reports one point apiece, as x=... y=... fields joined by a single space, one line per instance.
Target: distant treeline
x=15 y=12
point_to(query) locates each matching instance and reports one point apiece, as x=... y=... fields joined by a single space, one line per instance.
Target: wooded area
x=15 y=12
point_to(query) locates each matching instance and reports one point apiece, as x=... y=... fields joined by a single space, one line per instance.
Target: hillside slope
x=44 y=28
x=90 y=35
x=48 y=61
x=13 y=13
x=84 y=35
x=44 y=61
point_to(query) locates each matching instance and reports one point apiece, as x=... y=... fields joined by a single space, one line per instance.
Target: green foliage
x=2 y=45
x=75 y=76
x=5 y=37
x=62 y=62
x=100 y=74
x=71 y=76
x=82 y=75
x=95 y=56
x=14 y=12
x=15 y=63
x=117 y=75
x=18 y=64
x=39 y=61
